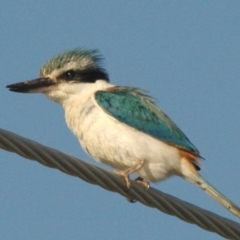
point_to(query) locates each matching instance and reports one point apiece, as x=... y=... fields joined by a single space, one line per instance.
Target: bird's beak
x=39 y=85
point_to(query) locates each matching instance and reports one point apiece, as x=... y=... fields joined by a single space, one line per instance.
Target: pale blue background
x=185 y=53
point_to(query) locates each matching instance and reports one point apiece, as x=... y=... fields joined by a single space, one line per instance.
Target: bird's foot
x=125 y=177
x=144 y=183
x=125 y=173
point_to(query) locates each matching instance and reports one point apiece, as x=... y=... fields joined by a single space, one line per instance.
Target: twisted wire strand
x=108 y=180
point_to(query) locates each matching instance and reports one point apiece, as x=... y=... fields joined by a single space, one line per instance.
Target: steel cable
x=108 y=180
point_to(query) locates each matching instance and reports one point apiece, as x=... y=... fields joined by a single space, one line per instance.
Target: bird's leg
x=144 y=183
x=125 y=173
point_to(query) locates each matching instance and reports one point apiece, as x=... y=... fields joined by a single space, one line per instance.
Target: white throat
x=66 y=92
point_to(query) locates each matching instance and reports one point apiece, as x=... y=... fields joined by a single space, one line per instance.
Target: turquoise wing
x=133 y=107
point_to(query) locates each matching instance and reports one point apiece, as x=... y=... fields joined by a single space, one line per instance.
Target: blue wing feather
x=136 y=109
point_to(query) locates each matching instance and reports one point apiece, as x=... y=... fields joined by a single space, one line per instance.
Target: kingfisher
x=118 y=125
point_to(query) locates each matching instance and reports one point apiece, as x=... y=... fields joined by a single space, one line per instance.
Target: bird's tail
x=198 y=180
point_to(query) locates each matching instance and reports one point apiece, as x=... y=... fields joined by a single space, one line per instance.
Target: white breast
x=117 y=144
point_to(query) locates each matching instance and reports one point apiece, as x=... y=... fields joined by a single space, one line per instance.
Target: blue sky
x=185 y=53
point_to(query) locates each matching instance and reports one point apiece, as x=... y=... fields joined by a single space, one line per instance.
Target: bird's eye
x=69 y=75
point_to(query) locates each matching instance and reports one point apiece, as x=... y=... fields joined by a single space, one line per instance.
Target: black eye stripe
x=89 y=75
x=92 y=75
